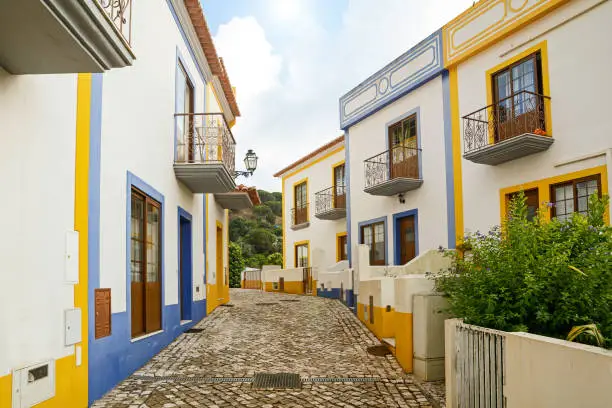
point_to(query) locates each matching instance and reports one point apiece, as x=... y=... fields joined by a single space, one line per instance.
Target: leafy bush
x=539 y=276
x=262 y=240
x=263 y=212
x=275 y=259
x=256 y=261
x=236 y=264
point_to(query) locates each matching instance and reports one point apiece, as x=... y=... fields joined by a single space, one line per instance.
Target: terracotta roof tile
x=196 y=14
x=310 y=155
x=252 y=191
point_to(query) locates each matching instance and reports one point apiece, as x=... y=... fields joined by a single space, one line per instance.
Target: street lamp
x=250 y=162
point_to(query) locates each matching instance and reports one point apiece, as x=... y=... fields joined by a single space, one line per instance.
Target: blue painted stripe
x=448 y=161
x=375 y=221
x=347 y=165
x=93 y=223
x=396 y=233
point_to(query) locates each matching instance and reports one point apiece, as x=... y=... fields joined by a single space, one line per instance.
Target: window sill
x=184 y=322
x=145 y=336
x=300 y=226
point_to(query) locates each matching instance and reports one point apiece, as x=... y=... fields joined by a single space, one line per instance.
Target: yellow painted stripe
x=456 y=143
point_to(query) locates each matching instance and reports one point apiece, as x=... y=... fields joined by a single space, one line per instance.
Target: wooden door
x=281 y=284
x=145 y=261
x=407 y=239
x=403 y=149
x=342 y=248
x=339 y=187
x=518 y=106
x=220 y=271
x=301 y=204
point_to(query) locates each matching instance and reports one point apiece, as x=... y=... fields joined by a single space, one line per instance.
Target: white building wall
x=37 y=162
x=138 y=104
x=320 y=233
x=369 y=137
x=579 y=60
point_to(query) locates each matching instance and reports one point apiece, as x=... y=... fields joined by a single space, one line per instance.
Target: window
x=573 y=196
x=145 y=264
x=300 y=196
x=184 y=123
x=301 y=256
x=532 y=201
x=517 y=98
x=403 y=148
x=374 y=236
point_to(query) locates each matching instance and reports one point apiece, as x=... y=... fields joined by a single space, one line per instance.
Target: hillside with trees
x=256 y=236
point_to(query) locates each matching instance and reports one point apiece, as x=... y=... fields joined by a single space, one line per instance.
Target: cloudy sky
x=291 y=60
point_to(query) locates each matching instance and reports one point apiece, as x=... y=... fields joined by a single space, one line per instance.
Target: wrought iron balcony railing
x=204 y=138
x=521 y=113
x=329 y=199
x=299 y=215
x=397 y=162
x=120 y=14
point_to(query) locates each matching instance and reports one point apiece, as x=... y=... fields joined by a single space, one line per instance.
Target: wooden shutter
x=103 y=313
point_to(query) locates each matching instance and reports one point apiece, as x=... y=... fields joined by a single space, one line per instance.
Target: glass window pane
x=582 y=204
x=137 y=232
x=153 y=232
x=569 y=192
x=569 y=206
x=560 y=207
x=559 y=193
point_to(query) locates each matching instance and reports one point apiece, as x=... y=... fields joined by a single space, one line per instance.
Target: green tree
x=276 y=207
x=275 y=258
x=262 y=240
x=277 y=196
x=239 y=227
x=256 y=261
x=265 y=196
x=236 y=264
x=539 y=276
x=263 y=212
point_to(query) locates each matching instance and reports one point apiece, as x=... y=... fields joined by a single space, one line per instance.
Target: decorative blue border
x=187 y=292
x=448 y=161
x=347 y=166
x=386 y=92
x=396 y=233
x=374 y=221
x=390 y=123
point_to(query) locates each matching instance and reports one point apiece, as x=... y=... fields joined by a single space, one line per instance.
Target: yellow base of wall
x=403 y=340
x=213 y=294
x=384 y=322
x=250 y=284
x=314 y=287
x=68 y=389
x=292 y=287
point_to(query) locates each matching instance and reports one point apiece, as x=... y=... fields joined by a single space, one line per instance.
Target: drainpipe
x=609 y=169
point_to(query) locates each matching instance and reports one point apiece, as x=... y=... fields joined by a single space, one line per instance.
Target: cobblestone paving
x=313 y=337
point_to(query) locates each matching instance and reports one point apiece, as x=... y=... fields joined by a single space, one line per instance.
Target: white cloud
x=288 y=94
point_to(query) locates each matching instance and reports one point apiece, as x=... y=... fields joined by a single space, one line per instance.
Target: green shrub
x=236 y=264
x=539 y=276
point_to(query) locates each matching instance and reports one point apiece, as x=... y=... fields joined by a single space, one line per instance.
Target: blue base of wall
x=350 y=298
x=114 y=358
x=332 y=293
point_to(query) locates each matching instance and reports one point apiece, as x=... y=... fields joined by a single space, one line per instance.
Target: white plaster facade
x=370 y=137
x=579 y=56
x=37 y=173
x=321 y=235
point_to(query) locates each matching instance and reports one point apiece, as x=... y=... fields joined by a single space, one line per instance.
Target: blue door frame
x=185 y=248
x=396 y=233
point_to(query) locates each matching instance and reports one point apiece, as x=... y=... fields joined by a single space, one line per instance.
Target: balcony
x=204 y=156
x=299 y=217
x=235 y=200
x=330 y=204
x=58 y=36
x=394 y=171
x=512 y=128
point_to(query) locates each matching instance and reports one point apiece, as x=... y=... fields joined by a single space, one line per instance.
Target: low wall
x=293 y=282
x=378 y=317
x=405 y=288
x=541 y=372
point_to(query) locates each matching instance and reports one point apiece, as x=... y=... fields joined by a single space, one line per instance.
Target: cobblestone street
x=319 y=339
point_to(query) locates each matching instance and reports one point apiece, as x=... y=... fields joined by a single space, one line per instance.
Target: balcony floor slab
x=510 y=149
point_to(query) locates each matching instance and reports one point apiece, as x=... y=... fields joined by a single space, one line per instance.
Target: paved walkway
x=313 y=337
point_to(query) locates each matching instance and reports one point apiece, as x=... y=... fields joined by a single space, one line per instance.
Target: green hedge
x=538 y=276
